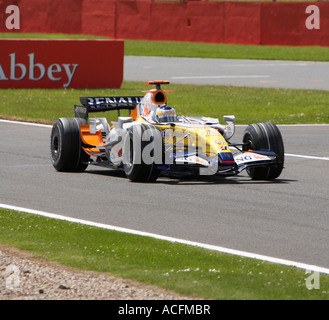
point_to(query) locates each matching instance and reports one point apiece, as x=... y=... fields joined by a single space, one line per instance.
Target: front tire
x=66 y=149
x=264 y=136
x=142 y=152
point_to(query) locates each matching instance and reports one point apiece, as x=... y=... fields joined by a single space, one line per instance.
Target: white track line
x=223 y=77
x=27 y=123
x=306 y=157
x=171 y=239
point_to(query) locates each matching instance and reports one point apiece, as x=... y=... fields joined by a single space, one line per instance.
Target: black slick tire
x=264 y=136
x=66 y=150
x=142 y=153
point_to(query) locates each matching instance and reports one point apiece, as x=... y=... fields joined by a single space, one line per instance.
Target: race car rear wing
x=101 y=104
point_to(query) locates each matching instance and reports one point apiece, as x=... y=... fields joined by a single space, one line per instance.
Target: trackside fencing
x=267 y=23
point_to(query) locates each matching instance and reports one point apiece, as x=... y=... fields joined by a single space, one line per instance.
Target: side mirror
x=230 y=128
x=229 y=119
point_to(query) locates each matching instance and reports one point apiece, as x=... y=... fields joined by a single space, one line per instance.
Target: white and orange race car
x=154 y=140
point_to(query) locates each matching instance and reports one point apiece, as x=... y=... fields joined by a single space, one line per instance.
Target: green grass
x=185 y=269
x=227 y=51
x=249 y=105
x=197 y=49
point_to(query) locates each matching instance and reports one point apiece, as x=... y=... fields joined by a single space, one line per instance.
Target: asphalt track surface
x=286 y=219
x=252 y=73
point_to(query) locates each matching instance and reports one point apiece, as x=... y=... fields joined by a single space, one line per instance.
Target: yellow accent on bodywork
x=208 y=140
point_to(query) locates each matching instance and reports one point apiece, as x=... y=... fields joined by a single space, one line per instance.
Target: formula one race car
x=154 y=140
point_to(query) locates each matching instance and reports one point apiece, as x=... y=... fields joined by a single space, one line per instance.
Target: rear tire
x=66 y=149
x=264 y=136
x=142 y=152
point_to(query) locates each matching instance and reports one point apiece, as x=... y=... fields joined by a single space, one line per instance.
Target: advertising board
x=40 y=63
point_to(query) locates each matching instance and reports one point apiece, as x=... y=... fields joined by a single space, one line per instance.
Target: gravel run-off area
x=24 y=277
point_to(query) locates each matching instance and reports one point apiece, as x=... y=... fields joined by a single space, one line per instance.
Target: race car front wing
x=224 y=163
